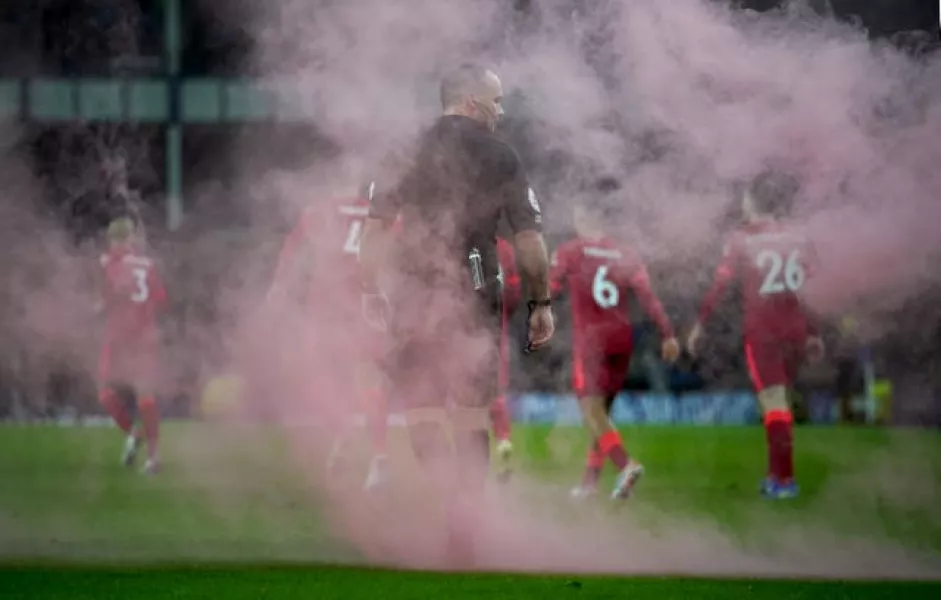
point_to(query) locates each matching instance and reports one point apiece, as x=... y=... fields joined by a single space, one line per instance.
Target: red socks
x=611 y=447
x=593 y=466
x=112 y=403
x=500 y=417
x=150 y=418
x=779 y=429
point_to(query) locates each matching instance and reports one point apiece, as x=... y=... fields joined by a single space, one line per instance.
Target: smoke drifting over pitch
x=682 y=99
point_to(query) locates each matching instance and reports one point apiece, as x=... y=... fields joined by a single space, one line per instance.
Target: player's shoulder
x=570 y=247
x=354 y=207
x=309 y=216
x=604 y=248
x=773 y=232
x=735 y=240
x=562 y=252
x=138 y=259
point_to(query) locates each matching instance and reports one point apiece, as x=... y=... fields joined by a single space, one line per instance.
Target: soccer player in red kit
x=600 y=274
x=512 y=294
x=323 y=252
x=773 y=261
x=133 y=296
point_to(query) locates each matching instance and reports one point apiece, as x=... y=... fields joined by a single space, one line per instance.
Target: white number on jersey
x=142 y=291
x=604 y=292
x=353 y=236
x=781 y=275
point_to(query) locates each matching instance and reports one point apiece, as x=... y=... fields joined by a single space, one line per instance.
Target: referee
x=444 y=277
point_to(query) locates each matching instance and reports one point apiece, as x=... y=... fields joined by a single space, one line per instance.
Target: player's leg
x=500 y=419
x=376 y=409
x=499 y=412
x=615 y=367
x=377 y=421
x=145 y=385
x=584 y=376
x=112 y=401
x=594 y=463
x=767 y=368
x=114 y=405
x=344 y=429
x=594 y=381
x=371 y=388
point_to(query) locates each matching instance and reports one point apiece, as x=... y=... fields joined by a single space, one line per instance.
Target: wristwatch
x=534 y=304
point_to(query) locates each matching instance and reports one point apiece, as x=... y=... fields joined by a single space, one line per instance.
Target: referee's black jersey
x=463 y=180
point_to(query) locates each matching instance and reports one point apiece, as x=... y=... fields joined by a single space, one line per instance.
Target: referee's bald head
x=473 y=91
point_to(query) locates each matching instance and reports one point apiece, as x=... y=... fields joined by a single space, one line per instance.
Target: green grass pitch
x=231 y=517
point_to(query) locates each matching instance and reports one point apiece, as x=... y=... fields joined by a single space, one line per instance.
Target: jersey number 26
x=782 y=274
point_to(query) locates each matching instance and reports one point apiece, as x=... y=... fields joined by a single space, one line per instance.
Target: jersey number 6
x=603 y=290
x=780 y=275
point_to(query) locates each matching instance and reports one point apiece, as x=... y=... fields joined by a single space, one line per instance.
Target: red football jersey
x=322 y=252
x=512 y=285
x=599 y=275
x=773 y=262
x=134 y=294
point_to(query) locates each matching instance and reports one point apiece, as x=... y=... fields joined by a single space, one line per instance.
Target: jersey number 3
x=781 y=275
x=604 y=292
x=141 y=289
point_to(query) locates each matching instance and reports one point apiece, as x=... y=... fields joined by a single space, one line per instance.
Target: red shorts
x=135 y=365
x=597 y=372
x=774 y=362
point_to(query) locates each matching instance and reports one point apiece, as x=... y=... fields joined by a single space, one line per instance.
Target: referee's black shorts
x=444 y=355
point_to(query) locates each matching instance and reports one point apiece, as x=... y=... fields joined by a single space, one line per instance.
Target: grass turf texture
x=352 y=584
x=238 y=498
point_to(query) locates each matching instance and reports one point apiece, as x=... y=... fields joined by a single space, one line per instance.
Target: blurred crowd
x=88 y=173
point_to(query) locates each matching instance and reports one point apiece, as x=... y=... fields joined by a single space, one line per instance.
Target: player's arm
x=639 y=282
x=158 y=291
x=519 y=204
x=287 y=269
x=102 y=287
x=724 y=274
x=384 y=209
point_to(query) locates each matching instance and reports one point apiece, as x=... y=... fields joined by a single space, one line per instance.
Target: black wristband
x=534 y=304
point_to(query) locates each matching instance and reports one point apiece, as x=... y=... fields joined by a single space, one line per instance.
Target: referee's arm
x=524 y=215
x=525 y=218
